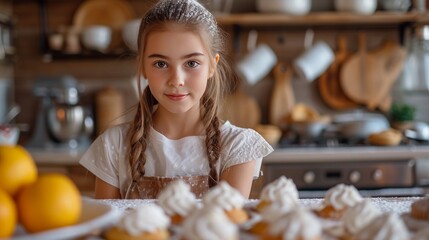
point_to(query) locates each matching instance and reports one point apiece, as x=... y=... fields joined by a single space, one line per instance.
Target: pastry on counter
x=337 y=200
x=229 y=199
x=297 y=224
x=277 y=191
x=209 y=223
x=146 y=222
x=389 y=137
x=387 y=226
x=177 y=200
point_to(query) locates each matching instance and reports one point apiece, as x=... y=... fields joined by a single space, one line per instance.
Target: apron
x=150 y=187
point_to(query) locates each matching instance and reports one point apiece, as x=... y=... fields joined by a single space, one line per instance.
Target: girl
x=176 y=132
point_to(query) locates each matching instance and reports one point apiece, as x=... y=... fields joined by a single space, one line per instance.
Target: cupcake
x=146 y=222
x=420 y=209
x=357 y=217
x=229 y=199
x=271 y=213
x=298 y=224
x=209 y=223
x=281 y=187
x=387 y=226
x=177 y=200
x=337 y=200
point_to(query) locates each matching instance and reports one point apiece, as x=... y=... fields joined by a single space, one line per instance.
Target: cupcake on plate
x=280 y=188
x=298 y=224
x=209 y=223
x=146 y=222
x=177 y=200
x=337 y=200
x=229 y=199
x=387 y=226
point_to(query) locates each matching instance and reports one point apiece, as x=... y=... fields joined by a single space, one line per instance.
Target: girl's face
x=177 y=68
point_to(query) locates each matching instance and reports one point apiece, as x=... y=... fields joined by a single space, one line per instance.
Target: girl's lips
x=176 y=97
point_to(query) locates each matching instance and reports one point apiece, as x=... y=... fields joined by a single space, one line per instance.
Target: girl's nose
x=177 y=78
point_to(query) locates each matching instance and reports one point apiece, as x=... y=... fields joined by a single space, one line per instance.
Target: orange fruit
x=52 y=201
x=8 y=215
x=17 y=168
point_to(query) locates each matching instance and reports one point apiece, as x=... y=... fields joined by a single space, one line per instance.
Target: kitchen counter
x=57 y=156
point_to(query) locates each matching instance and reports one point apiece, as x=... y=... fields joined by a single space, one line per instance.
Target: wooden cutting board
x=241 y=110
x=329 y=82
x=358 y=72
x=282 y=98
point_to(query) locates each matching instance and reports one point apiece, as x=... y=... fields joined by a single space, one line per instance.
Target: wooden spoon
x=329 y=82
x=283 y=98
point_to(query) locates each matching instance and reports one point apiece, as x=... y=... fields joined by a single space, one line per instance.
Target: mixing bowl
x=66 y=122
x=96 y=37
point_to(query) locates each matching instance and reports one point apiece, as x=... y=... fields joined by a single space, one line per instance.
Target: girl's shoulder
x=231 y=132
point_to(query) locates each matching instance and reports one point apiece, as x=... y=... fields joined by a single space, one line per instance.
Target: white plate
x=95 y=216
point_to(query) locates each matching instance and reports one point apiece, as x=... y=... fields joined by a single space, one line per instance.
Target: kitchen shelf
x=321 y=18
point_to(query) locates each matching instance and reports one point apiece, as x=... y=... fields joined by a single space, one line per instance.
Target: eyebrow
x=196 y=54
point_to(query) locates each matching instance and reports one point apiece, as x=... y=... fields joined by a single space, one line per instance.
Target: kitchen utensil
x=418 y=131
x=109 y=108
x=96 y=37
x=282 y=97
x=130 y=32
x=313 y=61
x=365 y=7
x=257 y=63
x=392 y=56
x=354 y=74
x=309 y=130
x=293 y=7
x=13 y=112
x=358 y=125
x=66 y=122
x=241 y=110
x=396 y=5
x=329 y=82
x=111 y=13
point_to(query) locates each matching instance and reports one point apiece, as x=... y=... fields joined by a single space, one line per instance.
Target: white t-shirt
x=107 y=157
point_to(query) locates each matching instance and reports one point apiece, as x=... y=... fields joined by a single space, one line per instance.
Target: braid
x=139 y=133
x=213 y=139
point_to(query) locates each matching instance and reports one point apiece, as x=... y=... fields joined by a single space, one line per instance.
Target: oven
x=375 y=170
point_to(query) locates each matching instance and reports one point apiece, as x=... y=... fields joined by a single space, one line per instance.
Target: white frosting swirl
x=144 y=218
x=387 y=226
x=177 y=198
x=298 y=223
x=274 y=211
x=342 y=196
x=422 y=234
x=279 y=187
x=209 y=223
x=356 y=217
x=224 y=196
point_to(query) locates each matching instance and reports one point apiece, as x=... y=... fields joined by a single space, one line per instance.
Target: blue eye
x=192 y=64
x=160 y=64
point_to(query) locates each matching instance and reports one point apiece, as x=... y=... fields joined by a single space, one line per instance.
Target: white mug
x=257 y=64
x=314 y=61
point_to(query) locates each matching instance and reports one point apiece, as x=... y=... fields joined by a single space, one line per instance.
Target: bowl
x=130 y=32
x=66 y=122
x=292 y=7
x=9 y=135
x=96 y=37
x=396 y=5
x=364 y=7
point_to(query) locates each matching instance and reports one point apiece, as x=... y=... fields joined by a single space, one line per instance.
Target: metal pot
x=359 y=125
x=418 y=131
x=309 y=130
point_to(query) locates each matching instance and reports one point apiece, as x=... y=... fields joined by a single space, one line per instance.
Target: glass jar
x=416 y=70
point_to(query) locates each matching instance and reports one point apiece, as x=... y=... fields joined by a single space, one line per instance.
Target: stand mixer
x=61 y=123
